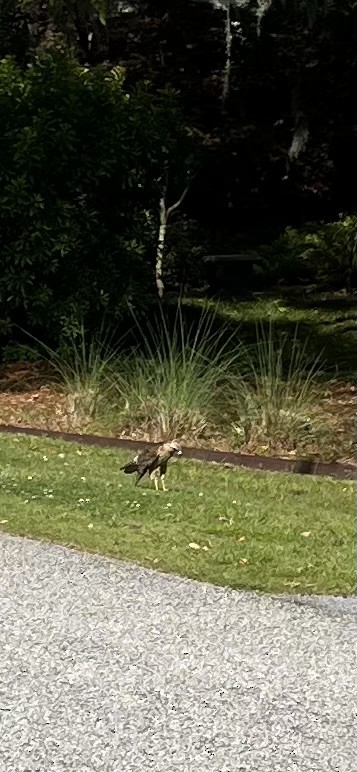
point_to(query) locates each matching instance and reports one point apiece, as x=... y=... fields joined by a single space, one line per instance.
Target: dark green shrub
x=19 y=352
x=331 y=253
x=326 y=255
x=81 y=168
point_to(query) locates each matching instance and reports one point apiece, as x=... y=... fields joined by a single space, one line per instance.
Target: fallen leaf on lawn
x=194 y=546
x=243 y=561
x=156 y=560
x=4 y=521
x=240 y=538
x=90 y=525
x=205 y=548
x=306 y=533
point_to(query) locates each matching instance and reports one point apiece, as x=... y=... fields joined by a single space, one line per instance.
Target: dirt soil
x=30 y=397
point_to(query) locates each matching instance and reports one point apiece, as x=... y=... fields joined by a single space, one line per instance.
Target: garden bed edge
x=259 y=463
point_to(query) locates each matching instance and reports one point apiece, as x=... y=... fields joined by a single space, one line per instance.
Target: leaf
x=240 y=538
x=243 y=561
x=306 y=534
x=194 y=546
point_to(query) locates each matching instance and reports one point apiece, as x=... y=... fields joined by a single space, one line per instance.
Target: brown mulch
x=30 y=397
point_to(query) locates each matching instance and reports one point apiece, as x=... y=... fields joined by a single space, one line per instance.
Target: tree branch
x=178 y=203
x=164 y=214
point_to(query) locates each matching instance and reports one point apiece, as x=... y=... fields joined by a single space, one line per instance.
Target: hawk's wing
x=147 y=457
x=163 y=466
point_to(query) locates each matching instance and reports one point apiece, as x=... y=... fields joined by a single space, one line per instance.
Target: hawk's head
x=175 y=446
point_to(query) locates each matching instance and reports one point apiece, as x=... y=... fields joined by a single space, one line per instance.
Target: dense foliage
x=81 y=166
x=103 y=108
x=325 y=254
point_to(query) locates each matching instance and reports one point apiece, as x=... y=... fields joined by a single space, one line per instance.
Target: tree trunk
x=160 y=247
x=227 y=69
x=164 y=214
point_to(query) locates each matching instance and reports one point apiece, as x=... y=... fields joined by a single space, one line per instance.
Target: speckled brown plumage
x=153 y=462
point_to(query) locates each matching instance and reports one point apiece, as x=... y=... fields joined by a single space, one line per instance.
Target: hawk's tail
x=130 y=467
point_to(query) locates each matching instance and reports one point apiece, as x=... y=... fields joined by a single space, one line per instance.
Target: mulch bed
x=32 y=403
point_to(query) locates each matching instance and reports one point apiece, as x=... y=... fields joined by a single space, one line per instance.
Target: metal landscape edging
x=333 y=469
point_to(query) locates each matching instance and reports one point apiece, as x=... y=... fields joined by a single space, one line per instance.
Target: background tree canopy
x=103 y=106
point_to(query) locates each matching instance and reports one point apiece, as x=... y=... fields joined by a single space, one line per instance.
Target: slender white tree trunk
x=164 y=214
x=227 y=69
x=160 y=247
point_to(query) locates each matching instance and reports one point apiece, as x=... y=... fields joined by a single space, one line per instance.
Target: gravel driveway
x=107 y=667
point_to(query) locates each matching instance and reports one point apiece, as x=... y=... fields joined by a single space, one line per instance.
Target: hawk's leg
x=162 y=478
x=154 y=476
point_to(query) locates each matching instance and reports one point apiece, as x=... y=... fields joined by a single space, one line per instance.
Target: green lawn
x=328 y=320
x=263 y=531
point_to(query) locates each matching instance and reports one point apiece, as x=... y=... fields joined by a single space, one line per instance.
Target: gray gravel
x=107 y=667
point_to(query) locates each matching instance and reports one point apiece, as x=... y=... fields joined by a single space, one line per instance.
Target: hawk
x=153 y=461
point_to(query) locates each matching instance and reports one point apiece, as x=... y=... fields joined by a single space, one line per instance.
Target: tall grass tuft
x=192 y=381
x=275 y=393
x=83 y=365
x=170 y=386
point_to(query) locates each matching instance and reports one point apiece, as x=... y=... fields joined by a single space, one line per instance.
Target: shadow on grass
x=326 y=301
x=326 y=325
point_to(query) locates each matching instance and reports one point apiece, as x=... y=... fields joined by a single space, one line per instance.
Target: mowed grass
x=327 y=319
x=262 y=531
x=327 y=311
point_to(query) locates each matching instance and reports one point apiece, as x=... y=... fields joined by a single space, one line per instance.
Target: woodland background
x=111 y=113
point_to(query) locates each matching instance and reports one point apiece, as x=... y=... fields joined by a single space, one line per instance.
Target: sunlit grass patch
x=271 y=532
